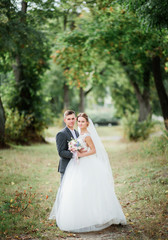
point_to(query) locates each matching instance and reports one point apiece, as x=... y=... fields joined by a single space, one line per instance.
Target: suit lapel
x=69 y=132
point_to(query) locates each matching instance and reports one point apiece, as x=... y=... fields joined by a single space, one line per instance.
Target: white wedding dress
x=86 y=199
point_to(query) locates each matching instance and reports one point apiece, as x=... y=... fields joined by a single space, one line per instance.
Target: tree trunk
x=66 y=87
x=144 y=110
x=66 y=96
x=65 y=21
x=143 y=101
x=143 y=98
x=2 y=125
x=160 y=89
x=82 y=100
x=24 y=8
x=17 y=67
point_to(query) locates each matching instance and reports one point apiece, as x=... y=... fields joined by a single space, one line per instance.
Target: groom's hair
x=68 y=112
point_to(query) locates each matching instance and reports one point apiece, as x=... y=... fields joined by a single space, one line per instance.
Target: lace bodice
x=81 y=139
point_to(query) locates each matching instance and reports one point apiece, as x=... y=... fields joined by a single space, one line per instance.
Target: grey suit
x=62 y=139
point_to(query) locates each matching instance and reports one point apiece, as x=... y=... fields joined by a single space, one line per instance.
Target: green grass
x=102 y=131
x=29 y=182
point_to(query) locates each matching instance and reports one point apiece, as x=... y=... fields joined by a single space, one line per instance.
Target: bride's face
x=82 y=123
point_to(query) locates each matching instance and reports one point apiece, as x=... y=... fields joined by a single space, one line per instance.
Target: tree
x=26 y=51
x=77 y=68
x=163 y=96
x=68 y=13
x=2 y=125
x=119 y=32
x=108 y=31
x=154 y=14
x=151 y=13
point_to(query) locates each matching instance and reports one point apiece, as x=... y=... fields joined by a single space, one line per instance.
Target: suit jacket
x=62 y=139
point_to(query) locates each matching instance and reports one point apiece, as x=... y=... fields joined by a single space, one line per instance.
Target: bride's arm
x=91 y=145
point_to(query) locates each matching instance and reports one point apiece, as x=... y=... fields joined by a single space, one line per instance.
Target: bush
x=135 y=130
x=16 y=126
x=157 y=146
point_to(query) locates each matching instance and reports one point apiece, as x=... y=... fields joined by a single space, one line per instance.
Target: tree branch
x=88 y=91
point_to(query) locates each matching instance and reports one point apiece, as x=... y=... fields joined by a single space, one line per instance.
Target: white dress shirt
x=73 y=133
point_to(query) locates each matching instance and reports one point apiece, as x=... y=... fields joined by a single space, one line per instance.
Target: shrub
x=157 y=146
x=16 y=126
x=135 y=130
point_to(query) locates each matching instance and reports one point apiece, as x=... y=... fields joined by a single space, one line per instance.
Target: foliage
x=17 y=126
x=135 y=130
x=151 y=13
x=122 y=92
x=7 y=88
x=76 y=64
x=157 y=147
x=107 y=33
x=95 y=45
x=25 y=52
x=53 y=92
x=53 y=80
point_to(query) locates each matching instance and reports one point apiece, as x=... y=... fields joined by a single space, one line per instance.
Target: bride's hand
x=82 y=150
x=79 y=154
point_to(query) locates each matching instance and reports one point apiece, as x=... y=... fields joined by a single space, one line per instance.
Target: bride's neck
x=83 y=131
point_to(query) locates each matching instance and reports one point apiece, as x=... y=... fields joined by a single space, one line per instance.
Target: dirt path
x=113 y=232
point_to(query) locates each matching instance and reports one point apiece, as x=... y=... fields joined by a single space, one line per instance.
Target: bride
x=86 y=199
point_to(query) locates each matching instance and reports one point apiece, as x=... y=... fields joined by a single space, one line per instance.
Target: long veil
x=100 y=150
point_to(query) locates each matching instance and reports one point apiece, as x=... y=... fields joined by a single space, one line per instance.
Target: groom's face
x=70 y=121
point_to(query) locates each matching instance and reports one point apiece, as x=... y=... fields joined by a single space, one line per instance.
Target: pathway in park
x=111 y=233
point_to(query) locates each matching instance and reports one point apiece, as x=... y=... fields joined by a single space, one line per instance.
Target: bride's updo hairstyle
x=84 y=115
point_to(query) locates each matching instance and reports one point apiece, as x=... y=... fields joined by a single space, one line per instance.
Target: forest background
x=82 y=55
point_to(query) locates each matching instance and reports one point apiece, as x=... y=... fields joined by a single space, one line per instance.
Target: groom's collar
x=69 y=131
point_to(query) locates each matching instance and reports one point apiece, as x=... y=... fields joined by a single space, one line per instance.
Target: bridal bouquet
x=74 y=145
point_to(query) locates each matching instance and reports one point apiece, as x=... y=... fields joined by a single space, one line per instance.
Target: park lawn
x=29 y=182
x=102 y=131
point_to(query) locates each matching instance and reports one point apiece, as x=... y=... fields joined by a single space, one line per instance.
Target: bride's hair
x=84 y=115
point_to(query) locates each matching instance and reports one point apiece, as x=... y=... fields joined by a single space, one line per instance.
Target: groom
x=62 y=139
